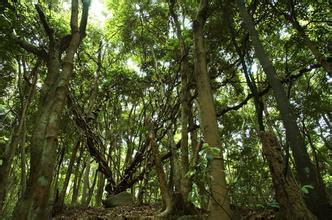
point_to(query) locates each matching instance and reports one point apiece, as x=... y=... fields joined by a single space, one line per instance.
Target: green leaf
x=190 y=173
x=305 y=188
x=215 y=151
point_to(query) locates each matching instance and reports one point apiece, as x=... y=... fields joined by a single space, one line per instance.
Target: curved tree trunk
x=165 y=192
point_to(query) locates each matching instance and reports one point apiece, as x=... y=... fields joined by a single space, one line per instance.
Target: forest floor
x=149 y=212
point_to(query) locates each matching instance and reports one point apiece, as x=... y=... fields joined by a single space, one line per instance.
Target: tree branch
x=266 y=90
x=30 y=48
x=74 y=16
x=84 y=18
x=49 y=31
x=202 y=12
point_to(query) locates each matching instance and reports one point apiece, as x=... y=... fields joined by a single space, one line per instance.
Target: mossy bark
x=288 y=194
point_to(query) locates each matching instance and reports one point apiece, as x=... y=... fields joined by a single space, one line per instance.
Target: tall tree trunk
x=23 y=162
x=316 y=199
x=35 y=202
x=184 y=69
x=288 y=194
x=219 y=207
x=176 y=178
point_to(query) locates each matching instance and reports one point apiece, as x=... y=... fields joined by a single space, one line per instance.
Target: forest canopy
x=210 y=109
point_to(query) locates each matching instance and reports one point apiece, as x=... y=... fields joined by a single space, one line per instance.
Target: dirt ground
x=147 y=212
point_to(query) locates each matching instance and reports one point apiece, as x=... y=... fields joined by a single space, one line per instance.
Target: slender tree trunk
x=316 y=199
x=77 y=179
x=60 y=202
x=185 y=181
x=141 y=198
x=86 y=180
x=219 y=207
x=165 y=192
x=57 y=177
x=23 y=163
x=100 y=188
x=174 y=163
x=90 y=191
x=16 y=138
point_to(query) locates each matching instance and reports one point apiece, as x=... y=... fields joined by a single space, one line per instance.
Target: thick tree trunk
x=316 y=199
x=219 y=207
x=35 y=202
x=288 y=194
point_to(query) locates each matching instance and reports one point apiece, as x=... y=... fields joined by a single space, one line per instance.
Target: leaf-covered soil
x=116 y=213
x=149 y=212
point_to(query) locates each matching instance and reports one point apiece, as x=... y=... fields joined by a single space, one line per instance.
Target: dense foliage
x=133 y=72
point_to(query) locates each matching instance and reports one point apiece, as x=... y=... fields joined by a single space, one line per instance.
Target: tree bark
x=316 y=199
x=219 y=207
x=288 y=194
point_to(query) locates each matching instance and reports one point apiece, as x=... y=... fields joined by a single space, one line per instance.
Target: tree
x=34 y=203
x=223 y=127
x=219 y=201
x=317 y=199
